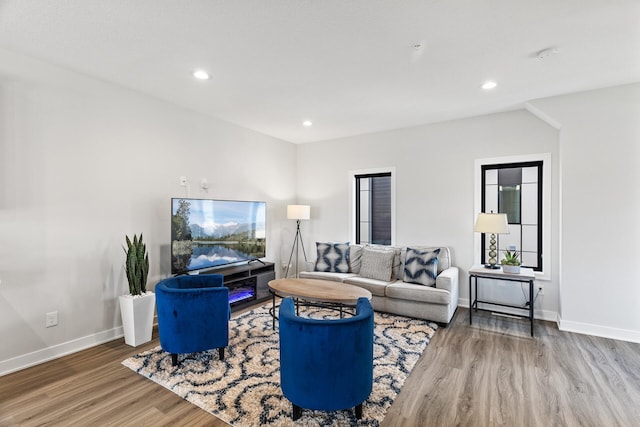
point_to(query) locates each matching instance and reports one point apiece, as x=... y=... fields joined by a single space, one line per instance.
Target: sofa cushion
x=420 y=293
x=421 y=267
x=355 y=258
x=323 y=275
x=332 y=257
x=376 y=287
x=396 y=270
x=377 y=263
x=444 y=257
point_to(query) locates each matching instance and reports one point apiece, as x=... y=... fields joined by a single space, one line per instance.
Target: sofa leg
x=174 y=359
x=297 y=412
x=359 y=411
x=221 y=353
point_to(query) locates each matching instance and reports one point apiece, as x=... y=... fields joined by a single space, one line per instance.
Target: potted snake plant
x=137 y=307
x=511 y=262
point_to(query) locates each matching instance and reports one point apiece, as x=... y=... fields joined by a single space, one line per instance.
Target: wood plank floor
x=487 y=374
x=493 y=373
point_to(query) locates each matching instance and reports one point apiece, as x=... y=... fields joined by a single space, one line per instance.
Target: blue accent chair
x=326 y=364
x=193 y=314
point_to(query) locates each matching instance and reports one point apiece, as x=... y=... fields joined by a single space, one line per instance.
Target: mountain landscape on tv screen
x=221 y=230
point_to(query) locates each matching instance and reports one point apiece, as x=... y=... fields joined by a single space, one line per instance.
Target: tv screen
x=210 y=233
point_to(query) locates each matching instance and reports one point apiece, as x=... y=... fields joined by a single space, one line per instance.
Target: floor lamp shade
x=298 y=211
x=492 y=223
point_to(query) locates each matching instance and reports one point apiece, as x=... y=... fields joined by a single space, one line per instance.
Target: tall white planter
x=137 y=317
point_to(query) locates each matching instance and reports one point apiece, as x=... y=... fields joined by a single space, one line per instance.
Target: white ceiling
x=347 y=65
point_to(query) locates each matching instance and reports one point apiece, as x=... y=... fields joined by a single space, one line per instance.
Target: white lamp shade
x=298 y=211
x=495 y=223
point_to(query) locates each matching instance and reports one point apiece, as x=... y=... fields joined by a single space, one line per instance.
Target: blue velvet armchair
x=326 y=364
x=193 y=314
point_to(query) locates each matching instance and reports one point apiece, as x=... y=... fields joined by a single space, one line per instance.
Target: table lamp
x=493 y=223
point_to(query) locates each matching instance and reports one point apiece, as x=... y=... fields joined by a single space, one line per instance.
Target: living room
x=85 y=161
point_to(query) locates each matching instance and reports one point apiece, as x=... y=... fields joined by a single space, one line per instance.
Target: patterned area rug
x=244 y=389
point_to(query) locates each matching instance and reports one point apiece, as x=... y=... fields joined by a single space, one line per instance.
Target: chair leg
x=221 y=353
x=359 y=411
x=297 y=412
x=174 y=359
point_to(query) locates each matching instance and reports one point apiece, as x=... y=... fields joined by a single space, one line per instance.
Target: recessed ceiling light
x=489 y=85
x=201 y=75
x=545 y=53
x=307 y=123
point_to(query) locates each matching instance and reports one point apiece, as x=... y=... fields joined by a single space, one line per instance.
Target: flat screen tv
x=210 y=233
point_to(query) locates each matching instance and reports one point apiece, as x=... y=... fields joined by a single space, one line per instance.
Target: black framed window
x=373 y=208
x=516 y=190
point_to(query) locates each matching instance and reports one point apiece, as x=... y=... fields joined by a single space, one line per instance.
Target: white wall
x=82 y=163
x=434 y=182
x=595 y=283
x=600 y=219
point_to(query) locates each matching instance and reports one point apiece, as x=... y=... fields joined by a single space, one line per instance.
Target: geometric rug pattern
x=244 y=389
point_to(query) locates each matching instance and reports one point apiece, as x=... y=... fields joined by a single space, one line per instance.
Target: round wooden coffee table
x=325 y=293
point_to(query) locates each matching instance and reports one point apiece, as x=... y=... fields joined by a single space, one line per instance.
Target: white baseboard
x=599 y=331
x=578 y=327
x=46 y=354
x=549 y=316
x=538 y=314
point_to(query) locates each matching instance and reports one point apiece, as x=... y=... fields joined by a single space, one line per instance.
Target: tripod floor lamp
x=297 y=212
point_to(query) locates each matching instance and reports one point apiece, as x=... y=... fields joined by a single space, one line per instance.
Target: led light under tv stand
x=247 y=283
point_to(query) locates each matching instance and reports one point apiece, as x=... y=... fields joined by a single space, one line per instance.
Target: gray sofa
x=437 y=303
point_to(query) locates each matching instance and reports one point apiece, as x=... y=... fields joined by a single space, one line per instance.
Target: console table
x=526 y=275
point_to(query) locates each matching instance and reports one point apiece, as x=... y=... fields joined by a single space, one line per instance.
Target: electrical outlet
x=540 y=290
x=183 y=181
x=51 y=319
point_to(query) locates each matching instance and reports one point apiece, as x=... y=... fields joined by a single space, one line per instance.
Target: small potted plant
x=138 y=306
x=511 y=261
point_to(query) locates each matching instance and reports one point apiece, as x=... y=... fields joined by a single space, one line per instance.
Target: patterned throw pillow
x=332 y=257
x=444 y=257
x=377 y=264
x=421 y=267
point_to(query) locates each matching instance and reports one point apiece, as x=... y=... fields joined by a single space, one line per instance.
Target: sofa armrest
x=448 y=280
x=309 y=266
